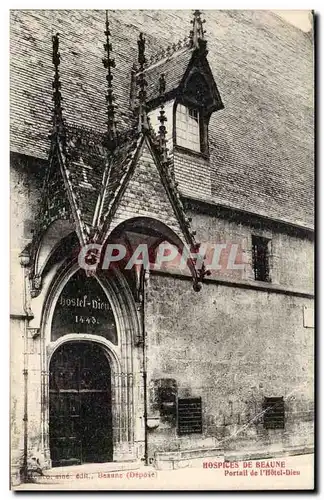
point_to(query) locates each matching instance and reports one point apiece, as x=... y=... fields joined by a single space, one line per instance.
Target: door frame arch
x=125 y=361
x=115 y=370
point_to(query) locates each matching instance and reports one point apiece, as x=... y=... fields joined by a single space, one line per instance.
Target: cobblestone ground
x=293 y=473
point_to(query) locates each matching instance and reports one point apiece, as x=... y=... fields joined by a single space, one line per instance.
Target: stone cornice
x=257 y=285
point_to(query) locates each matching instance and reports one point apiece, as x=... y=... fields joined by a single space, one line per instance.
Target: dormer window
x=183 y=82
x=188 y=128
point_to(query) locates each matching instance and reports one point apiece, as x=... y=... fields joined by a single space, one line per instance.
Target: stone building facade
x=171 y=364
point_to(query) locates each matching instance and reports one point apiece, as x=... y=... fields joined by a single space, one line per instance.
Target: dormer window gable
x=197 y=99
x=191 y=94
x=188 y=106
x=187 y=75
x=198 y=87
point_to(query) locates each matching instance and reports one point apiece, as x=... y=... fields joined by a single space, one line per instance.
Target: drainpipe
x=145 y=277
x=24 y=261
x=25 y=418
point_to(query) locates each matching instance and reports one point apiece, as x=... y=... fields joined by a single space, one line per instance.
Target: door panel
x=80 y=405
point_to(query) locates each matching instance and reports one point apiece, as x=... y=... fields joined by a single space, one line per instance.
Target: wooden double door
x=80 y=422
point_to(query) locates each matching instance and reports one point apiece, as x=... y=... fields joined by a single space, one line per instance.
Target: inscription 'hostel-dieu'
x=84 y=302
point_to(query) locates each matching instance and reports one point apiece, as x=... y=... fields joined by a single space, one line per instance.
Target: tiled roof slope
x=261 y=144
x=173 y=69
x=86 y=164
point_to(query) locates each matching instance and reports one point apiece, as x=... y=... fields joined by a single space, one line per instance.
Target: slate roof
x=119 y=165
x=94 y=174
x=261 y=144
x=173 y=67
x=86 y=166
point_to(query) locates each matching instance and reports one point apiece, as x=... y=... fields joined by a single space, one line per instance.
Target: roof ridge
x=191 y=41
x=168 y=53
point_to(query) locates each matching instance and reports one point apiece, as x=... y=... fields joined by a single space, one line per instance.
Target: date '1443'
x=90 y=320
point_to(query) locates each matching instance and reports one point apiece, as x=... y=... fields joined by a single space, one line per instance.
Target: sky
x=299 y=18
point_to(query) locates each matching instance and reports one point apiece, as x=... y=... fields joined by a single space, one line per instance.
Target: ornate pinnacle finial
x=109 y=63
x=132 y=98
x=162 y=119
x=58 y=125
x=142 y=84
x=141 y=51
x=197 y=33
x=162 y=84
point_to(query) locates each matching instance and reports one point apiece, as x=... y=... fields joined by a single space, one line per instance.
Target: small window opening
x=274 y=413
x=189 y=416
x=188 y=128
x=260 y=257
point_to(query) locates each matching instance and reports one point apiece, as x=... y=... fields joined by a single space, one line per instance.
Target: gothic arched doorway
x=80 y=419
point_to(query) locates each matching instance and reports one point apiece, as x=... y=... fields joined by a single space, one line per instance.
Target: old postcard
x=162 y=233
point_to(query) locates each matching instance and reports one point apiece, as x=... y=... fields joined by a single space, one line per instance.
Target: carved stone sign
x=83 y=307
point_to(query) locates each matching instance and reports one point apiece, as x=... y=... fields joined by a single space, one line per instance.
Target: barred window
x=274 y=413
x=189 y=416
x=188 y=127
x=260 y=258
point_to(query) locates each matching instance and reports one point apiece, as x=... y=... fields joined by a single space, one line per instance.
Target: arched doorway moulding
x=112 y=354
x=163 y=231
x=125 y=361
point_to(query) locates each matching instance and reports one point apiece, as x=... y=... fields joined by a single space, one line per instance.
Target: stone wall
x=232 y=347
x=291 y=257
x=24 y=194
